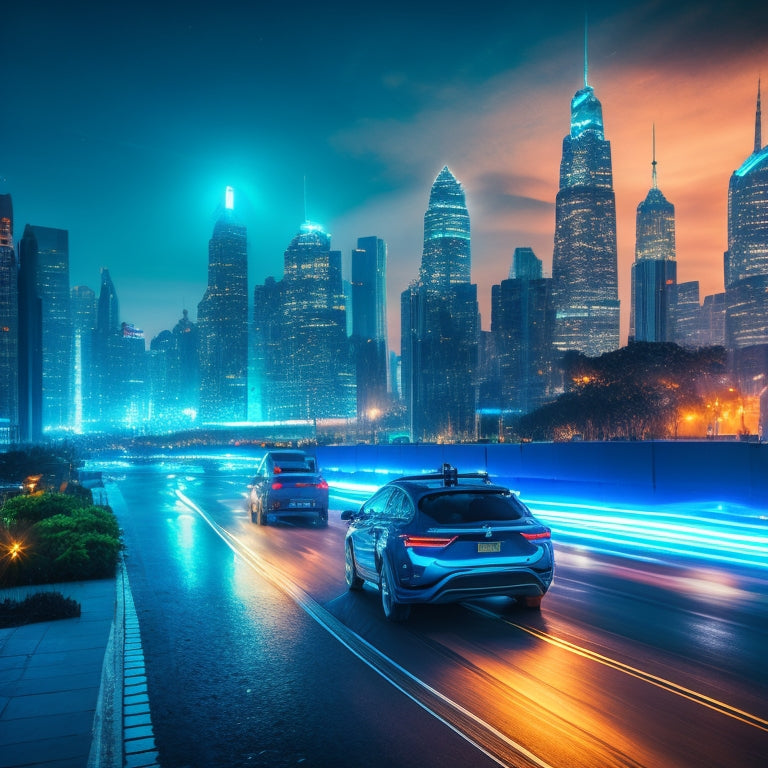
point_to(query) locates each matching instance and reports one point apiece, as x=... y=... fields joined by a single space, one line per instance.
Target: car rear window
x=290 y=462
x=458 y=508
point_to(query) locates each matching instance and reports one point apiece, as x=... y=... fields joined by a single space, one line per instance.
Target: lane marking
x=480 y=734
x=659 y=682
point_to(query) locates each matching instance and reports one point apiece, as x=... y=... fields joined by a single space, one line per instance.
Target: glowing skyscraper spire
x=586 y=61
x=758 y=122
x=653 y=162
x=229 y=199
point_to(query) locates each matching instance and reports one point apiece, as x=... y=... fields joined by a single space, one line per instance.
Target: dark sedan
x=288 y=487
x=446 y=537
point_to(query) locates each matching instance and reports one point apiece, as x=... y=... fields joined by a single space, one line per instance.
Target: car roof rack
x=449 y=476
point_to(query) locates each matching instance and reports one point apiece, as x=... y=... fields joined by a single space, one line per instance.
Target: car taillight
x=322 y=484
x=276 y=486
x=428 y=541
x=546 y=534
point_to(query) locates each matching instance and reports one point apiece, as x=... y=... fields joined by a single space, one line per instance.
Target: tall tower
x=746 y=260
x=654 y=273
x=9 y=327
x=319 y=378
x=223 y=322
x=746 y=268
x=83 y=304
x=369 y=325
x=51 y=286
x=523 y=324
x=441 y=327
x=584 y=262
x=446 y=257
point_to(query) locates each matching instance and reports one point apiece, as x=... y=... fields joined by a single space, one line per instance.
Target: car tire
x=254 y=516
x=261 y=516
x=354 y=582
x=532 y=603
x=322 y=519
x=393 y=610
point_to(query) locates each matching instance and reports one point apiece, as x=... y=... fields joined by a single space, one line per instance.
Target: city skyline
x=146 y=150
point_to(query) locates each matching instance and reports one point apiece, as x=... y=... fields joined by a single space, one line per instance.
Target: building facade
x=9 y=327
x=222 y=317
x=584 y=262
x=654 y=272
x=440 y=325
x=523 y=327
x=369 y=326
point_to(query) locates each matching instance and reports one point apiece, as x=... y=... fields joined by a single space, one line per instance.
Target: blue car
x=446 y=537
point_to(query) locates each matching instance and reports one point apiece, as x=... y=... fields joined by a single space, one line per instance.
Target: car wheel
x=262 y=517
x=354 y=582
x=254 y=516
x=393 y=610
x=534 y=603
x=322 y=519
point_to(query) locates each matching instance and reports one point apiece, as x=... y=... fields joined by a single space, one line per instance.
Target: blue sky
x=124 y=122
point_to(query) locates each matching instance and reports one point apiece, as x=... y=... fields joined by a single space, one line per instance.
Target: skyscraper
x=369 y=325
x=315 y=355
x=51 y=285
x=97 y=410
x=440 y=323
x=222 y=317
x=83 y=304
x=9 y=327
x=654 y=273
x=446 y=257
x=746 y=260
x=584 y=262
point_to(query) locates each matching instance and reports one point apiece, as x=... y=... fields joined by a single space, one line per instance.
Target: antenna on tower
x=758 y=122
x=653 y=164
x=586 y=27
x=305 y=198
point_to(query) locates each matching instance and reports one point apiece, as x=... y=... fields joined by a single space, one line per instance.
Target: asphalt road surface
x=257 y=655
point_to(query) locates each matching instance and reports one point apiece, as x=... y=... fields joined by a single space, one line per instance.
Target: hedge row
x=54 y=537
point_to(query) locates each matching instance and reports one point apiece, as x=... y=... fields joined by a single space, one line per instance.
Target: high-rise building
x=712 y=321
x=654 y=273
x=222 y=317
x=318 y=371
x=30 y=341
x=746 y=260
x=83 y=304
x=9 y=327
x=687 y=312
x=523 y=325
x=174 y=375
x=269 y=374
x=369 y=326
x=584 y=262
x=440 y=323
x=98 y=408
x=51 y=286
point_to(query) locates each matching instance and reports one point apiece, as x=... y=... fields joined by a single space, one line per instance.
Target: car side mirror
x=348 y=514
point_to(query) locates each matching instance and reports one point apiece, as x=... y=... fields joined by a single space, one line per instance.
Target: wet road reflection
x=630 y=663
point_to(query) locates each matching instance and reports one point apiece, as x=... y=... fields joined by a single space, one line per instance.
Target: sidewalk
x=73 y=692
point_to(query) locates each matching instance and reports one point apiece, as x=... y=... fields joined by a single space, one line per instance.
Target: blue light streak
x=716 y=533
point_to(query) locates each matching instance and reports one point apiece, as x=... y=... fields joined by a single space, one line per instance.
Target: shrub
x=36 y=508
x=73 y=544
x=42 y=606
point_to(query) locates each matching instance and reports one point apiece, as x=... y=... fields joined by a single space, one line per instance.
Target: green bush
x=42 y=606
x=35 y=508
x=64 y=543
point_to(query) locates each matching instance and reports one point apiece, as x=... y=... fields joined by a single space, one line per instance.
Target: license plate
x=489 y=546
x=299 y=504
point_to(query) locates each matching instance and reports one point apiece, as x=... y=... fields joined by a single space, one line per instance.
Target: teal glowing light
x=229 y=199
x=753 y=161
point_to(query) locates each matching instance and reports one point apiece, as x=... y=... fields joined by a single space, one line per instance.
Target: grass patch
x=41 y=606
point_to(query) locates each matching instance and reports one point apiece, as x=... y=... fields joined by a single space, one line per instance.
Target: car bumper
x=475 y=583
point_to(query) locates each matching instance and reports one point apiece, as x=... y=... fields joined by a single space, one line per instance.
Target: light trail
x=476 y=731
x=659 y=682
x=713 y=533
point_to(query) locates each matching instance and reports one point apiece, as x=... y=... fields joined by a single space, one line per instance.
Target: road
x=257 y=654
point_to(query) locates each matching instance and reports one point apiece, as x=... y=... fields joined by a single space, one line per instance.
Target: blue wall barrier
x=654 y=471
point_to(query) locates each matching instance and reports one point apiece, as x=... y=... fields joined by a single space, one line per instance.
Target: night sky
x=123 y=122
